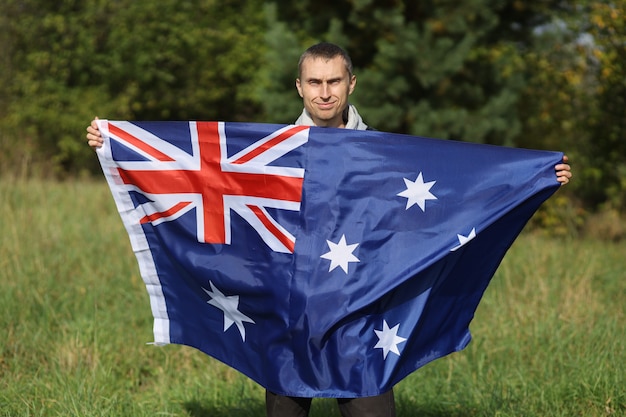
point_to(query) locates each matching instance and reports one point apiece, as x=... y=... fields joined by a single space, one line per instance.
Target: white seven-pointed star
x=229 y=304
x=340 y=254
x=388 y=339
x=464 y=239
x=417 y=192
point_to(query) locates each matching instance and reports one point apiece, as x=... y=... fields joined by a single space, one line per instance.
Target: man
x=325 y=81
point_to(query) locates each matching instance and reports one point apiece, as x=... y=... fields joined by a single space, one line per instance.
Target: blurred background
x=546 y=74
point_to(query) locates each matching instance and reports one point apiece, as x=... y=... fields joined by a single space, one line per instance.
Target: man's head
x=325 y=81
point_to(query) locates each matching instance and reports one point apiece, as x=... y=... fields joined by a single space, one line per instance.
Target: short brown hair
x=326 y=50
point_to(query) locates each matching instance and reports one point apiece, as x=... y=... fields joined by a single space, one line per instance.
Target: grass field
x=549 y=335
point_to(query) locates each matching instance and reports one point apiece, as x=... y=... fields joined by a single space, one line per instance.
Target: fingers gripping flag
x=318 y=262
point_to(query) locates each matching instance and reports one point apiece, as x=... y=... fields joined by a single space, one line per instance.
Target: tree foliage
x=575 y=98
x=607 y=124
x=438 y=68
x=71 y=60
x=548 y=74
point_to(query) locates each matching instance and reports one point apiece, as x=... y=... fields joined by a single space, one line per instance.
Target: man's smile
x=325 y=105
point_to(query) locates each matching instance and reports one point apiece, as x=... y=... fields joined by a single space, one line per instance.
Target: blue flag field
x=319 y=262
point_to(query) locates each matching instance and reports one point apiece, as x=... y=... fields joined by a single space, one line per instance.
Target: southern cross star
x=417 y=192
x=340 y=254
x=388 y=339
x=463 y=240
x=228 y=304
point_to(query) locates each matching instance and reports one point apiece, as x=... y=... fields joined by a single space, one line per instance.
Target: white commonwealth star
x=229 y=304
x=464 y=239
x=340 y=254
x=388 y=339
x=417 y=192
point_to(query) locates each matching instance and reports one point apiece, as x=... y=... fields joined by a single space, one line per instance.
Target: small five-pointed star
x=340 y=254
x=388 y=339
x=417 y=192
x=229 y=305
x=463 y=240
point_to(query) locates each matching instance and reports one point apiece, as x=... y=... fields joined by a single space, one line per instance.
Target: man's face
x=324 y=86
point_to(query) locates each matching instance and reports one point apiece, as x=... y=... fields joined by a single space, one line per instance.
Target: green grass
x=549 y=335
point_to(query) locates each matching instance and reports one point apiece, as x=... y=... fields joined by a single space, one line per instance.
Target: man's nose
x=325 y=90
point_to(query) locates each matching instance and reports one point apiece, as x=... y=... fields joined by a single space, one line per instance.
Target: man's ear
x=352 y=84
x=299 y=87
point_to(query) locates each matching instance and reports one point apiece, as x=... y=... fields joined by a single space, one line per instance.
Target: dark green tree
x=71 y=60
x=438 y=68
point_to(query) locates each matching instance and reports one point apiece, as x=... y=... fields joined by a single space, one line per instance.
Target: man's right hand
x=94 y=138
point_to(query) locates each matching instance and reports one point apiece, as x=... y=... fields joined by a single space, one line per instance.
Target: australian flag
x=319 y=262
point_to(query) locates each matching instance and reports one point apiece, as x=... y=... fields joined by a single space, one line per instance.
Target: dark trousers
x=382 y=405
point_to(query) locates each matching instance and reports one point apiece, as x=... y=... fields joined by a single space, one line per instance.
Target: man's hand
x=94 y=138
x=563 y=171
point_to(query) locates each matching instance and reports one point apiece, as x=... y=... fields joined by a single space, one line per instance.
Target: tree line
x=538 y=74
